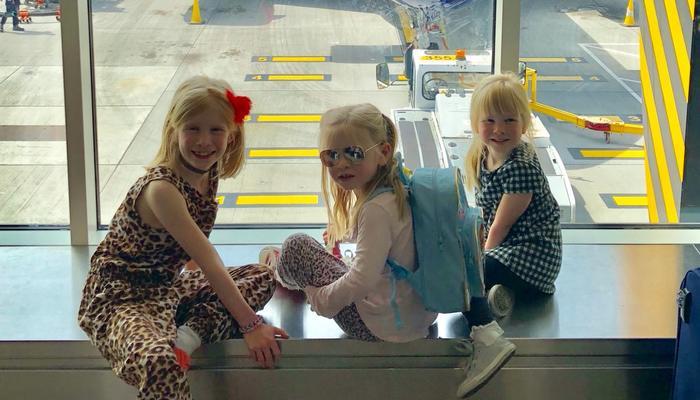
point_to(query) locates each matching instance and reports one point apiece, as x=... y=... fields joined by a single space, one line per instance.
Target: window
x=294 y=60
x=33 y=173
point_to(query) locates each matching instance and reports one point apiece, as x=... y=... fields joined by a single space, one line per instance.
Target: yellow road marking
x=278 y=199
x=295 y=77
x=298 y=58
x=560 y=78
x=651 y=195
x=401 y=77
x=657 y=141
x=544 y=59
x=220 y=199
x=669 y=100
x=691 y=6
x=630 y=201
x=682 y=60
x=611 y=153
x=282 y=153
x=288 y=118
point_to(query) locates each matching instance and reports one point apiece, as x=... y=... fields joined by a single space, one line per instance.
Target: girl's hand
x=262 y=344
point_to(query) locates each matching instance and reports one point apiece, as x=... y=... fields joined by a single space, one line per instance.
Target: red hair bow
x=240 y=104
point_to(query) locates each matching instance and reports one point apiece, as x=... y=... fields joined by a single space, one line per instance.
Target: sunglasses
x=354 y=154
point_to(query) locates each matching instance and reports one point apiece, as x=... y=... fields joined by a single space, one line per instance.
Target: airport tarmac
x=143 y=49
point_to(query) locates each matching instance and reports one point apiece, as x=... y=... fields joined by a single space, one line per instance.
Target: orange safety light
x=460 y=54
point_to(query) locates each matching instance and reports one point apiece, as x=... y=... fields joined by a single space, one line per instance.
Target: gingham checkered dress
x=532 y=248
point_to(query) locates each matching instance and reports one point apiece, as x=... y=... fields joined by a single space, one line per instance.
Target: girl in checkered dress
x=523 y=236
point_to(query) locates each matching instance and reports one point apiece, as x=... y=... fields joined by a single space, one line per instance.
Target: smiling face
x=353 y=175
x=203 y=137
x=500 y=116
x=501 y=133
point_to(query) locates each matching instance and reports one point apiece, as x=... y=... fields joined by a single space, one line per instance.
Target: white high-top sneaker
x=491 y=351
x=270 y=256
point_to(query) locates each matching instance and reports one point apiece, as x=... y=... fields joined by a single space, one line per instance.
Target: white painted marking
x=585 y=48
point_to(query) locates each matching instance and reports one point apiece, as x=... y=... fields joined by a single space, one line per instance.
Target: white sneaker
x=501 y=301
x=491 y=352
x=270 y=256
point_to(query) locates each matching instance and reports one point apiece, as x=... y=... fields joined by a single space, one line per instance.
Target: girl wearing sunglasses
x=367 y=204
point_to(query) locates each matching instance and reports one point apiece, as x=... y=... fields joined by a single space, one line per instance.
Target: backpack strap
x=398 y=273
x=378 y=191
x=403 y=171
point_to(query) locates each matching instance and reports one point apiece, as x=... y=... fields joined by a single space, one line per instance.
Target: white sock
x=187 y=339
x=486 y=334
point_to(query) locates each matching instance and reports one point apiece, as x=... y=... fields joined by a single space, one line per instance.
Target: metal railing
x=600 y=124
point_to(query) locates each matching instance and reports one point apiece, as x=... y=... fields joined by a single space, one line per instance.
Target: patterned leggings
x=304 y=262
x=141 y=335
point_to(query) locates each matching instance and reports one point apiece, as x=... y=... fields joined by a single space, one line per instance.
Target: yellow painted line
x=288 y=118
x=691 y=6
x=655 y=133
x=652 y=212
x=630 y=201
x=682 y=59
x=560 y=78
x=610 y=153
x=397 y=58
x=544 y=59
x=282 y=153
x=295 y=77
x=220 y=199
x=666 y=89
x=402 y=77
x=277 y=199
x=298 y=58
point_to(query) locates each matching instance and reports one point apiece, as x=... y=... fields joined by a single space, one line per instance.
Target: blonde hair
x=192 y=97
x=369 y=126
x=497 y=94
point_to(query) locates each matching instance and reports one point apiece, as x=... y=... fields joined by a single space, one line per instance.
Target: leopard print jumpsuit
x=136 y=296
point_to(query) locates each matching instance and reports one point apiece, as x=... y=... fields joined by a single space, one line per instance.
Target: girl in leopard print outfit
x=357 y=146
x=139 y=307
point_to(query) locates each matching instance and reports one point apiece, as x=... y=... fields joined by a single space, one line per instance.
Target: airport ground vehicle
x=435 y=130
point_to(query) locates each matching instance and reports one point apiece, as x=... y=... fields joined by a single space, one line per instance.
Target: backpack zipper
x=460 y=233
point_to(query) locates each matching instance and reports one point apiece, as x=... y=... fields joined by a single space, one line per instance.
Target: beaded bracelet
x=252 y=325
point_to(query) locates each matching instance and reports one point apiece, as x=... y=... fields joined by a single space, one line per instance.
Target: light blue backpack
x=447 y=234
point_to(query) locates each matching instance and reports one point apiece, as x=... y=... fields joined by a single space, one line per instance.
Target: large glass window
x=295 y=59
x=33 y=173
x=587 y=64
